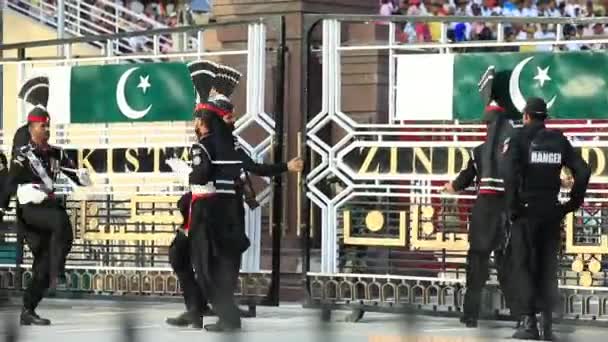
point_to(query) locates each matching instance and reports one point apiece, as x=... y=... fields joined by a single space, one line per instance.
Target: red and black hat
x=212 y=107
x=38 y=114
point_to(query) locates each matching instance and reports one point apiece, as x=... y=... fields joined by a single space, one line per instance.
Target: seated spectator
x=544 y=33
x=528 y=9
x=387 y=8
x=490 y=8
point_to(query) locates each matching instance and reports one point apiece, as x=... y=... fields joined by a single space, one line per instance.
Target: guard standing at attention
x=535 y=158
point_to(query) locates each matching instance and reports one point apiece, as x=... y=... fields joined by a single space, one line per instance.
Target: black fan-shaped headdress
x=203 y=74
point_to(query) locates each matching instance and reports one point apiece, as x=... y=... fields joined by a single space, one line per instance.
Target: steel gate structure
x=124 y=224
x=389 y=239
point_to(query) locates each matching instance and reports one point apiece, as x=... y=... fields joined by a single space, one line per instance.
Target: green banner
x=130 y=92
x=572 y=83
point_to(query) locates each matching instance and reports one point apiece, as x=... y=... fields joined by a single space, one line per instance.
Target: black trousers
x=181 y=262
x=486 y=234
x=39 y=244
x=50 y=219
x=535 y=240
x=217 y=242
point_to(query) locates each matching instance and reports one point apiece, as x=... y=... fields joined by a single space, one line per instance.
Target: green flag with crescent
x=120 y=93
x=574 y=84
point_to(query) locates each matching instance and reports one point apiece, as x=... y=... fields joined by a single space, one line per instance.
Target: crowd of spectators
x=480 y=30
x=101 y=17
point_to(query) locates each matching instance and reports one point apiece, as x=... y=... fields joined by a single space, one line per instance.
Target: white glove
x=84 y=177
x=30 y=193
x=179 y=166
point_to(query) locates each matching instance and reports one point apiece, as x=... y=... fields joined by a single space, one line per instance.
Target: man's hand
x=449 y=188
x=295 y=165
x=567 y=182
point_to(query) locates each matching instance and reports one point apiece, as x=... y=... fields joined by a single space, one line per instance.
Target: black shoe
x=518 y=324
x=468 y=322
x=222 y=327
x=186 y=319
x=208 y=311
x=547 y=326
x=355 y=316
x=29 y=317
x=528 y=329
x=245 y=313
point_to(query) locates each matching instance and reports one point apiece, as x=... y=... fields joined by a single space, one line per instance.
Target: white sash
x=40 y=170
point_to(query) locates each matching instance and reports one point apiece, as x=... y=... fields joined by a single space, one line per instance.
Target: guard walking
x=32 y=175
x=217 y=242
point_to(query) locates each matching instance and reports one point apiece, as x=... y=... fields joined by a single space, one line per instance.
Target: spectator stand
x=103 y=17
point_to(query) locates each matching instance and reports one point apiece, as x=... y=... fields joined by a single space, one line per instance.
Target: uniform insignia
x=505 y=145
x=197 y=160
x=196 y=152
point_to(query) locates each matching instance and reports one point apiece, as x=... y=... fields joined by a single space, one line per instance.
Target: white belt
x=208 y=188
x=31 y=193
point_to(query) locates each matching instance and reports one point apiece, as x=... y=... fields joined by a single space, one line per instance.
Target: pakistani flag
x=119 y=93
x=444 y=87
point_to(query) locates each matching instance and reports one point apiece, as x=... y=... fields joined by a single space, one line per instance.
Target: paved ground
x=101 y=321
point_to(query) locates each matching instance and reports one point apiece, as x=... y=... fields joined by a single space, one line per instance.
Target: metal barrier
x=124 y=225
x=388 y=237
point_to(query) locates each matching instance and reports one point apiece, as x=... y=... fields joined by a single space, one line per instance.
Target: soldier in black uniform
x=487 y=227
x=32 y=174
x=203 y=74
x=535 y=157
x=488 y=220
x=217 y=241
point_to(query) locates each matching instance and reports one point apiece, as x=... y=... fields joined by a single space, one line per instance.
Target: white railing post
x=60 y=25
x=78 y=15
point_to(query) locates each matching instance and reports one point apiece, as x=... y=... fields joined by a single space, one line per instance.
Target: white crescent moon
x=516 y=96
x=121 y=100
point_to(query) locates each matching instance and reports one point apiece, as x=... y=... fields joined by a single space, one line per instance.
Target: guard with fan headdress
x=34 y=169
x=225 y=84
x=488 y=217
x=217 y=241
x=203 y=74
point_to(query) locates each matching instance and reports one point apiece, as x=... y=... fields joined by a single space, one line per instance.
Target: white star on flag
x=542 y=75
x=144 y=83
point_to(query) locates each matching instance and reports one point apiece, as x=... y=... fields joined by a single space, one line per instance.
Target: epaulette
x=25 y=149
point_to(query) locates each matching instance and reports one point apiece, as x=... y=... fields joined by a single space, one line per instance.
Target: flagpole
x=2 y=4
x=61 y=24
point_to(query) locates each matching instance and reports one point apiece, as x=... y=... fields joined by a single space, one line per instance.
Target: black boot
x=30 y=317
x=221 y=326
x=547 y=326
x=208 y=311
x=528 y=329
x=355 y=316
x=186 y=319
x=246 y=313
x=468 y=321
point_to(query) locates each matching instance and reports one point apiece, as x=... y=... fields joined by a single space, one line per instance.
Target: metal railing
x=84 y=19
